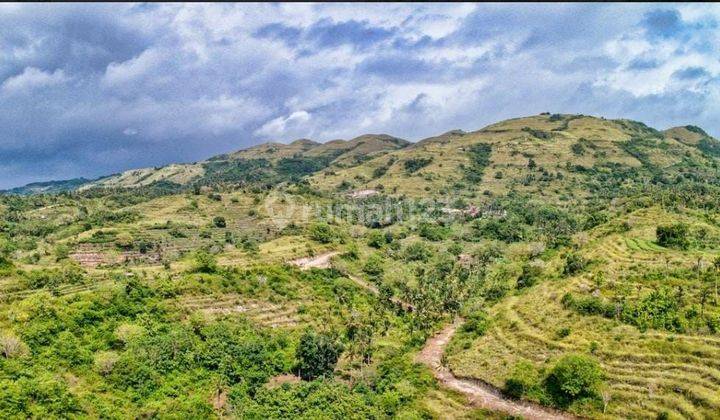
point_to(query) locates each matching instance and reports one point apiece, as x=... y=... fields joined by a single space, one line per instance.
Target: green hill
x=580 y=254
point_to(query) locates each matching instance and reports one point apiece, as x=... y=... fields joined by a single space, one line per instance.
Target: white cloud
x=33 y=78
x=280 y=127
x=131 y=70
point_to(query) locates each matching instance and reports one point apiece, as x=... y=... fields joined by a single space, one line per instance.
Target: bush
x=219 y=222
x=415 y=164
x=530 y=275
x=506 y=230
x=376 y=239
x=323 y=233
x=673 y=236
x=574 y=263
x=317 y=355
x=124 y=240
x=374 y=266
x=417 y=251
x=476 y=325
x=205 y=263
x=575 y=376
x=433 y=232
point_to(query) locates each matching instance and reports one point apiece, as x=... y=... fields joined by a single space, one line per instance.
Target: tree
x=317 y=355
x=205 y=263
x=374 y=266
x=575 y=376
x=673 y=236
x=417 y=251
x=6 y=249
x=376 y=239
x=323 y=233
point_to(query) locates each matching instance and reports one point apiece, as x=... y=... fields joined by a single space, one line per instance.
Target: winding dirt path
x=478 y=393
x=318 y=261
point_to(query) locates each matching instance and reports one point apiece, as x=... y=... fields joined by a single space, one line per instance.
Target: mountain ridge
x=363 y=155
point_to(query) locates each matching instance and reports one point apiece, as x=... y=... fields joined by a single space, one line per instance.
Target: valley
x=550 y=266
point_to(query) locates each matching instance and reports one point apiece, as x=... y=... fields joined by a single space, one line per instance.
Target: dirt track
x=319 y=261
x=479 y=394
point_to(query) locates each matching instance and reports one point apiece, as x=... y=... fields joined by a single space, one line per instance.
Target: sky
x=93 y=89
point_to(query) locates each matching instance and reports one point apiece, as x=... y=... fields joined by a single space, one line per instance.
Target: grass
x=647 y=373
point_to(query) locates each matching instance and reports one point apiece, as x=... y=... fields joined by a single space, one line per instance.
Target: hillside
x=269 y=162
x=556 y=156
x=552 y=265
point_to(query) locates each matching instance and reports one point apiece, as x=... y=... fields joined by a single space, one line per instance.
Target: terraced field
x=648 y=374
x=264 y=313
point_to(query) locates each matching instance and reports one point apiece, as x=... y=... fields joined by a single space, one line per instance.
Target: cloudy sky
x=87 y=90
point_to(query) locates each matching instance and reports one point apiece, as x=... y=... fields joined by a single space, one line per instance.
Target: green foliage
x=506 y=230
x=204 y=262
x=432 y=231
x=415 y=164
x=476 y=325
x=543 y=135
x=479 y=160
x=317 y=354
x=578 y=149
x=219 y=222
x=574 y=376
x=417 y=251
x=574 y=264
x=673 y=236
x=530 y=275
x=524 y=380
x=376 y=239
x=324 y=233
x=709 y=147
x=374 y=266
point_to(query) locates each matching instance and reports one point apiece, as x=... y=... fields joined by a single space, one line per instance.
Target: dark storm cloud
x=91 y=89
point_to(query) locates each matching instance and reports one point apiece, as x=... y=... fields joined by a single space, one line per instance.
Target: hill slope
x=558 y=156
x=583 y=255
x=270 y=162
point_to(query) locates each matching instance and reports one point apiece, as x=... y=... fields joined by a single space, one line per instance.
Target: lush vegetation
x=289 y=281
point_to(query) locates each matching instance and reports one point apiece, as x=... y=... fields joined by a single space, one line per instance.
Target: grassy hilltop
x=582 y=253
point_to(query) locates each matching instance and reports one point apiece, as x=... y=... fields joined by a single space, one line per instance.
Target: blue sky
x=88 y=90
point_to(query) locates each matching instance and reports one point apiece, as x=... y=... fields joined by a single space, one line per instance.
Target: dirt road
x=318 y=261
x=478 y=393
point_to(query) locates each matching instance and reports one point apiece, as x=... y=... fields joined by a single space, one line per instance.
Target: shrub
x=575 y=376
x=673 y=236
x=124 y=240
x=417 y=251
x=219 y=222
x=506 y=230
x=204 y=263
x=105 y=361
x=323 y=233
x=317 y=355
x=433 y=232
x=529 y=276
x=374 y=266
x=376 y=239
x=11 y=346
x=479 y=160
x=415 y=164
x=574 y=263
x=476 y=324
